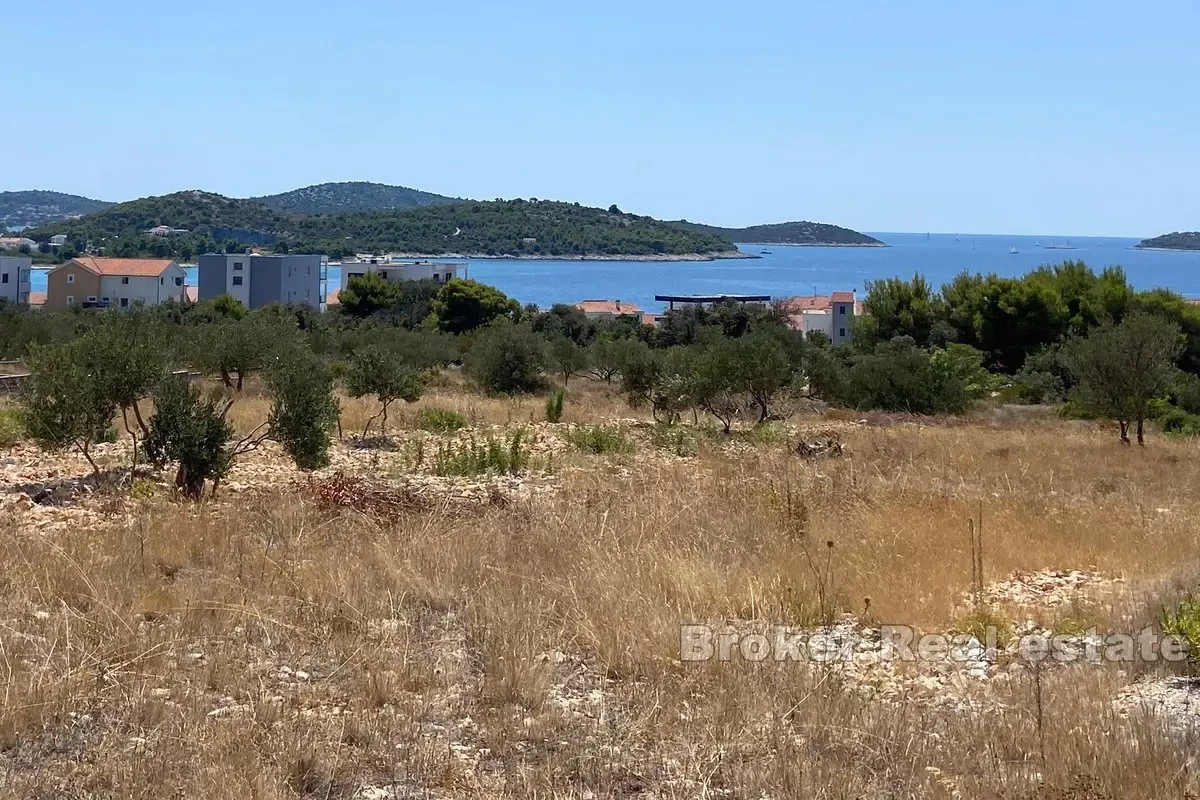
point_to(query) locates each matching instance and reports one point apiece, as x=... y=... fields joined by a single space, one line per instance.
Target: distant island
x=1189 y=240
x=350 y=196
x=813 y=234
x=184 y=224
x=342 y=219
x=28 y=209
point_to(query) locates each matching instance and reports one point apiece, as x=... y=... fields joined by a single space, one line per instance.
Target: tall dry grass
x=532 y=649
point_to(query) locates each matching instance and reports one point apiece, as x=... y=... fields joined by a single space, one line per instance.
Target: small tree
x=386 y=374
x=303 y=407
x=567 y=357
x=65 y=401
x=554 y=405
x=192 y=431
x=1121 y=368
x=367 y=294
x=507 y=358
x=128 y=353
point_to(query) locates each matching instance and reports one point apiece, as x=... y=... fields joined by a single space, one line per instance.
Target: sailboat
x=1013 y=252
x=1066 y=246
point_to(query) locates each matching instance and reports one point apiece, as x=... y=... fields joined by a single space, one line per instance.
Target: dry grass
x=532 y=649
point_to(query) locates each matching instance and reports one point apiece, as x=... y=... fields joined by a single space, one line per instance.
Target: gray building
x=261 y=280
x=15 y=275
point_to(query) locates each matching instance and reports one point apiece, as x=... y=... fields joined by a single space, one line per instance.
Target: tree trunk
x=1140 y=434
x=191 y=488
x=1124 y=431
x=240 y=379
x=137 y=414
x=85 y=449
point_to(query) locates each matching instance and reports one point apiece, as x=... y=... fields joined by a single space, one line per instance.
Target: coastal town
x=256 y=280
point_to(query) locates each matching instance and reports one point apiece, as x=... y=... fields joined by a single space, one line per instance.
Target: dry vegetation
x=266 y=645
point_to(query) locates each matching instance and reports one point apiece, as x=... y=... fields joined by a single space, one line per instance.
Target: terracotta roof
x=37 y=298
x=651 y=319
x=842 y=297
x=132 y=267
x=607 y=307
x=812 y=302
x=191 y=293
x=1192 y=301
x=331 y=297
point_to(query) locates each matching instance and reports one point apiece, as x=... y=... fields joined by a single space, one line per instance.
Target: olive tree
x=65 y=402
x=385 y=373
x=1121 y=368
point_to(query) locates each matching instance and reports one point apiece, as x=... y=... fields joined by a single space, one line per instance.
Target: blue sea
x=786 y=271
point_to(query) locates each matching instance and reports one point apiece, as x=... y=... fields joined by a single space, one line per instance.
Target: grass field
x=270 y=644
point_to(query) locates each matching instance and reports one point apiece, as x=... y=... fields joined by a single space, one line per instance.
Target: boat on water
x=1013 y=252
x=765 y=252
x=1066 y=246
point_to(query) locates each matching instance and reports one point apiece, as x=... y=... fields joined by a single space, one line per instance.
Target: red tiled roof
x=650 y=319
x=842 y=297
x=331 y=297
x=191 y=293
x=812 y=302
x=37 y=298
x=607 y=307
x=131 y=267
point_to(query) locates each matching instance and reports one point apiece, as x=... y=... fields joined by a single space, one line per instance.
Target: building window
x=4 y=279
x=841 y=332
x=237 y=266
x=124 y=302
x=841 y=310
x=70 y=279
x=103 y=299
x=91 y=298
x=237 y=280
x=70 y=299
x=161 y=281
x=179 y=281
x=124 y=280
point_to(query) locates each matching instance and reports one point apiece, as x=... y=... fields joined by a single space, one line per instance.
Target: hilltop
x=803 y=233
x=351 y=196
x=525 y=228
x=1172 y=241
x=38 y=207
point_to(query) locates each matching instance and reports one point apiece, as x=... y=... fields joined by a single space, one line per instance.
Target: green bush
x=191 y=430
x=1177 y=422
x=477 y=458
x=674 y=439
x=1184 y=621
x=507 y=359
x=12 y=429
x=440 y=420
x=554 y=406
x=599 y=439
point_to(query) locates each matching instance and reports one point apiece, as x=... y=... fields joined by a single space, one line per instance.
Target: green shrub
x=599 y=439
x=440 y=420
x=554 y=406
x=674 y=439
x=507 y=359
x=191 y=430
x=1184 y=621
x=1177 y=422
x=1073 y=409
x=980 y=620
x=12 y=429
x=477 y=458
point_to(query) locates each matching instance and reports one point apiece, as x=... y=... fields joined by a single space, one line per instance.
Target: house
x=401 y=270
x=164 y=231
x=832 y=314
x=258 y=280
x=58 y=240
x=15 y=275
x=16 y=243
x=595 y=309
x=674 y=301
x=93 y=282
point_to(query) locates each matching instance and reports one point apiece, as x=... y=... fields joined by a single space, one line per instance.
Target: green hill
x=806 y=233
x=37 y=207
x=341 y=198
x=1189 y=240
x=495 y=228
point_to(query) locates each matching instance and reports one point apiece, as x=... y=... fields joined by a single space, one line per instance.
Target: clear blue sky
x=1027 y=117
